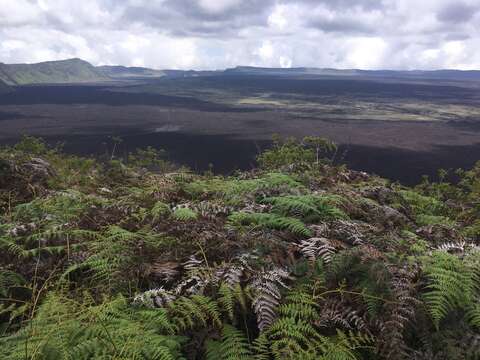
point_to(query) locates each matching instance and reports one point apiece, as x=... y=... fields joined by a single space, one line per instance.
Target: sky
x=218 y=34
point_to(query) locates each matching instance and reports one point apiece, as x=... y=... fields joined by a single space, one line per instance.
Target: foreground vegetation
x=298 y=259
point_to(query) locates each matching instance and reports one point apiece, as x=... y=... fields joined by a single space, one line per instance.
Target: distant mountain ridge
x=427 y=74
x=63 y=71
x=77 y=70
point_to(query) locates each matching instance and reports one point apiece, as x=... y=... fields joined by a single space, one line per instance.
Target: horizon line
x=246 y=66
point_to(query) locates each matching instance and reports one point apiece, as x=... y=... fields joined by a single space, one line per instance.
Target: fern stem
x=14 y=300
x=102 y=324
x=203 y=254
x=341 y=291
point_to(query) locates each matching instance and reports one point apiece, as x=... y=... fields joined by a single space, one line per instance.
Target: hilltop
x=129 y=72
x=64 y=71
x=299 y=259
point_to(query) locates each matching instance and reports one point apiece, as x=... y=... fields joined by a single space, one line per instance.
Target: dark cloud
x=342 y=25
x=457 y=12
x=345 y=4
x=191 y=18
x=195 y=10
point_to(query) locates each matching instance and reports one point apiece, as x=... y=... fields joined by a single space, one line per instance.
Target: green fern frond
x=209 y=307
x=51 y=250
x=291 y=338
x=189 y=313
x=8 y=279
x=9 y=245
x=306 y=309
x=226 y=300
x=343 y=346
x=184 y=214
x=234 y=344
x=65 y=329
x=157 y=320
x=473 y=315
x=213 y=350
x=159 y=210
x=261 y=347
x=311 y=208
x=452 y=285
x=117 y=234
x=270 y=221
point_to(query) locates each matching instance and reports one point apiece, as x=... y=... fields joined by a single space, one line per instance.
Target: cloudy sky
x=215 y=34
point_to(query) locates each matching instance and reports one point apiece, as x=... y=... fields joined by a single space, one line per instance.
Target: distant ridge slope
x=4 y=87
x=63 y=71
x=304 y=71
x=129 y=72
x=77 y=70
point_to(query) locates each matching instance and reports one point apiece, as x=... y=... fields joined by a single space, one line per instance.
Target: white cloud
x=285 y=62
x=279 y=17
x=265 y=52
x=213 y=34
x=18 y=12
x=366 y=52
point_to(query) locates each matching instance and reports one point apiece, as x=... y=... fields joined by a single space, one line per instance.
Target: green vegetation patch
x=134 y=258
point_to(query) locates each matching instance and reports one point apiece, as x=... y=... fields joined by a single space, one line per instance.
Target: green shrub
x=284 y=153
x=421 y=204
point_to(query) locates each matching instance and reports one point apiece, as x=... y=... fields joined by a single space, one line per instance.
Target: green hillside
x=65 y=71
x=299 y=259
x=129 y=72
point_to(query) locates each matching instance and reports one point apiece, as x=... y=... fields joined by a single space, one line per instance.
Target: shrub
x=284 y=153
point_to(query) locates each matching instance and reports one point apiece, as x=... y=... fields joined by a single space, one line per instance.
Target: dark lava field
x=398 y=128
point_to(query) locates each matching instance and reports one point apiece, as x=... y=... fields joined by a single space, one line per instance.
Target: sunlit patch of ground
x=259 y=101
